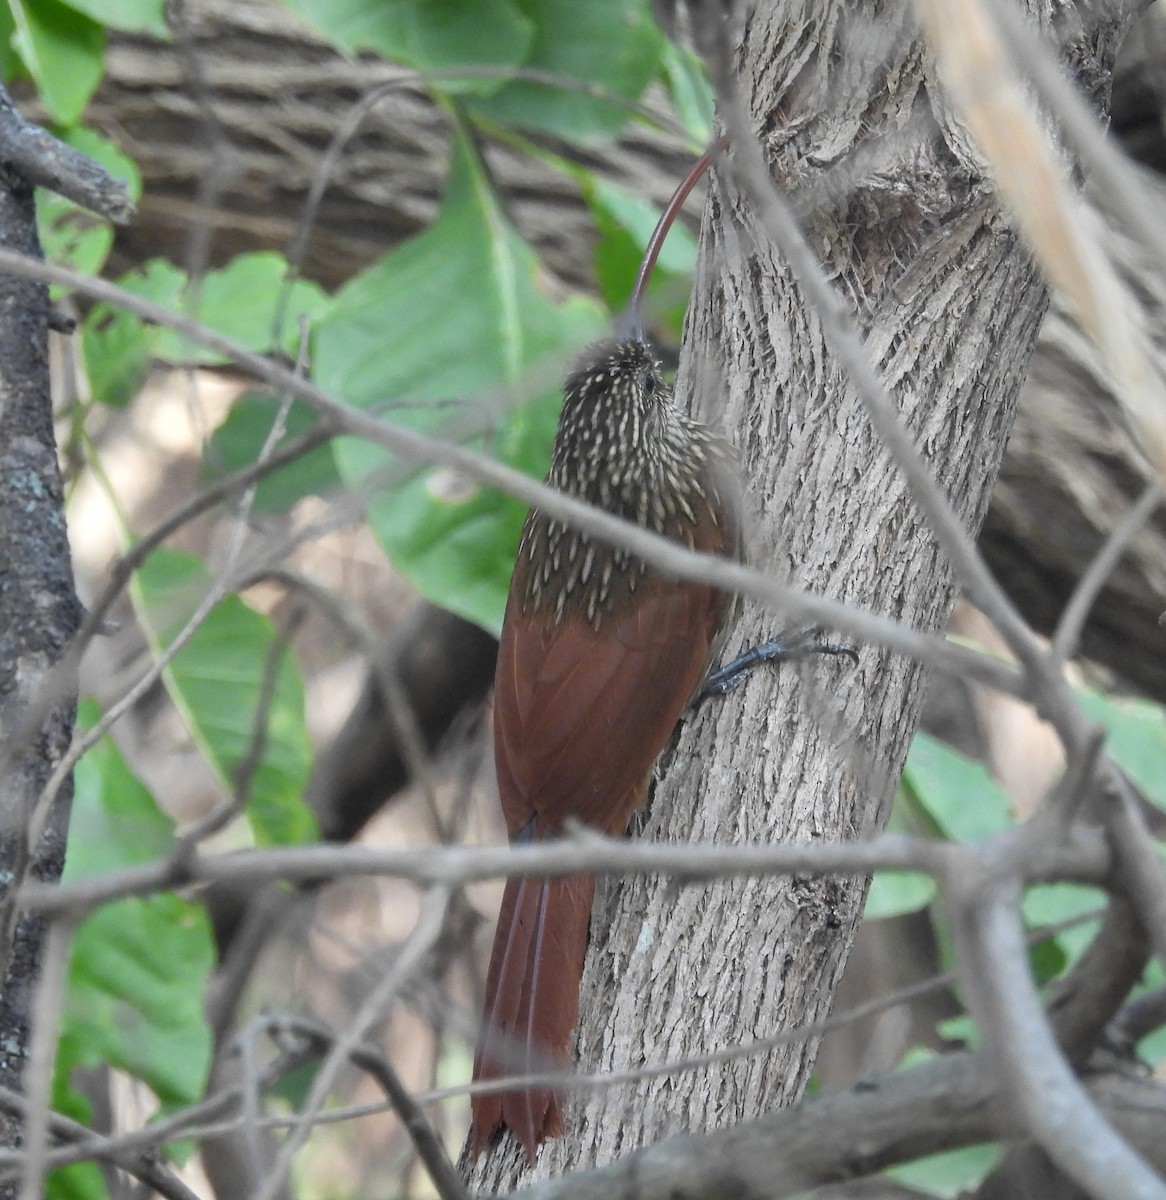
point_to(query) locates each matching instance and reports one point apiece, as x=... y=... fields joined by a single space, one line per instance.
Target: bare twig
x=1141 y=1017
x=424 y=935
x=243 y=774
x=1082 y=1002
x=219 y=158
x=142 y=1165
x=397 y=707
x=1054 y=1106
x=1139 y=869
x=1082 y=856
x=1089 y=586
x=42 y=1055
x=203 y=1119
x=948 y=1102
x=371 y=1058
x=660 y=552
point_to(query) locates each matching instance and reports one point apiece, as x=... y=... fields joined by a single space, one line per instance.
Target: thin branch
x=398 y=710
x=219 y=160
x=352 y=120
x=1141 y=1017
x=203 y=1119
x=1083 y=856
x=49 y=163
x=372 y=1059
x=1139 y=869
x=1073 y=1005
x=1035 y=1077
x=142 y=1165
x=421 y=940
x=243 y=774
x=38 y=1073
x=1068 y=634
x=1082 y=1003
x=237 y=481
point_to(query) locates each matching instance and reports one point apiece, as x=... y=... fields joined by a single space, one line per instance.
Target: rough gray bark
x=950 y=307
x=39 y=612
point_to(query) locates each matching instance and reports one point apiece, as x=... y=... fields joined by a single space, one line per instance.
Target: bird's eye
x=649 y=380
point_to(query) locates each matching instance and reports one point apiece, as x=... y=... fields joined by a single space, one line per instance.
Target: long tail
x=532 y=1004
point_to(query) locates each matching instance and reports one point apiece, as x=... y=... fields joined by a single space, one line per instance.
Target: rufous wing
x=581 y=714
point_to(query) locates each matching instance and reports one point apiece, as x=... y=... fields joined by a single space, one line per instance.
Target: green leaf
x=118 y=346
x=626 y=223
x=1049 y=904
x=612 y=44
x=692 y=94
x=69 y=234
x=960 y=1030
x=11 y=65
x=130 y=16
x=216 y=680
x=893 y=893
x=239 y=439
x=949 y=1174
x=958 y=794
x=64 y=52
x=241 y=301
x=294 y=1087
x=466 y=312
x=80 y=1181
x=139 y=968
x=1136 y=737
x=428 y=34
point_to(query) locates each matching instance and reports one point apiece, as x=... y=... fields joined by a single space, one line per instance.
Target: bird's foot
x=786 y=647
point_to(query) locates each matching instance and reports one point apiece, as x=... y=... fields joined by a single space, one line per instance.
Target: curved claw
x=786 y=647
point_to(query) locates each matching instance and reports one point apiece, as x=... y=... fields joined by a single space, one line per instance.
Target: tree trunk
x=950 y=307
x=39 y=613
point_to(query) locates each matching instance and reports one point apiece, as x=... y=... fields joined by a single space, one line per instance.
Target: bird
x=599 y=655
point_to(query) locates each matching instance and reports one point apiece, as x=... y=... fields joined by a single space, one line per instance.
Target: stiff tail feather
x=532 y=1004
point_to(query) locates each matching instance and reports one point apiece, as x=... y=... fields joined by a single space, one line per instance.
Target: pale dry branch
x=1089 y=586
x=1082 y=856
x=1053 y=1104
x=372 y=1010
x=193 y=1121
x=140 y=1164
x=372 y=1059
x=42 y=1054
